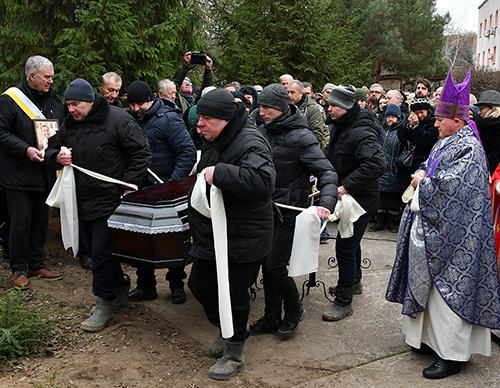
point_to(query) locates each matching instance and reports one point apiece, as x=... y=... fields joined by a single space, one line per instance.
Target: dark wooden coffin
x=150 y=227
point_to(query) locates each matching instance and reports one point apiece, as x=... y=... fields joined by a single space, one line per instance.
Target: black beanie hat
x=274 y=96
x=79 y=90
x=139 y=91
x=218 y=103
x=420 y=104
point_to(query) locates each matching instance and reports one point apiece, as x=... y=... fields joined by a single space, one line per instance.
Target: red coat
x=495 y=198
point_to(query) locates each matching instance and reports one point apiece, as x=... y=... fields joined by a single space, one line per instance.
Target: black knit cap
x=218 y=103
x=274 y=96
x=79 y=90
x=419 y=104
x=139 y=91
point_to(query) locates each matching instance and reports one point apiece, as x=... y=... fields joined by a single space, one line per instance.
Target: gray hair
x=111 y=75
x=300 y=85
x=379 y=86
x=286 y=75
x=34 y=64
x=164 y=84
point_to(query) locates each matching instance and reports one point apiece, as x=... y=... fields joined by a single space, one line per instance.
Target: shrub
x=24 y=328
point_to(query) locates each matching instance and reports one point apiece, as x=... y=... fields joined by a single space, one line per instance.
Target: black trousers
x=203 y=285
x=29 y=217
x=280 y=289
x=146 y=279
x=107 y=273
x=348 y=251
x=4 y=224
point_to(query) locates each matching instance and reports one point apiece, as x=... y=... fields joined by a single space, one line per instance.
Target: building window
x=496 y=18
x=480 y=29
x=479 y=59
x=483 y=58
x=491 y=21
x=494 y=54
x=485 y=25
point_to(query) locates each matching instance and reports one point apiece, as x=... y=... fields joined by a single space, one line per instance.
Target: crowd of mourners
x=422 y=163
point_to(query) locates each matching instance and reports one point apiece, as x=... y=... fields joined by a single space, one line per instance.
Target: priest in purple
x=446 y=274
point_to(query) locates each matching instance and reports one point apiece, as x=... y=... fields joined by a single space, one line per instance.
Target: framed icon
x=43 y=130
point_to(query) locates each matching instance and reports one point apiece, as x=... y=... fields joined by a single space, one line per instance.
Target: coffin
x=150 y=227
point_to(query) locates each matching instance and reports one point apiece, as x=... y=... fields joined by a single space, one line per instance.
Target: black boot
x=380 y=224
x=391 y=223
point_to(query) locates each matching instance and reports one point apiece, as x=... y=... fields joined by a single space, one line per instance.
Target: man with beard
x=376 y=92
x=423 y=88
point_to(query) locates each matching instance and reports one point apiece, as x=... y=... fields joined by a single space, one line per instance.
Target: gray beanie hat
x=489 y=97
x=342 y=96
x=218 y=103
x=79 y=90
x=274 y=96
x=327 y=86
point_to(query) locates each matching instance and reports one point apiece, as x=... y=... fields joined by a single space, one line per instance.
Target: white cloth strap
x=105 y=178
x=217 y=214
x=24 y=103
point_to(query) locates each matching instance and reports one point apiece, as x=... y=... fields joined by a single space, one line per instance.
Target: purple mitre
x=455 y=99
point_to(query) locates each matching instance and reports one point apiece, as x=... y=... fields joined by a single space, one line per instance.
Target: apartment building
x=488 y=39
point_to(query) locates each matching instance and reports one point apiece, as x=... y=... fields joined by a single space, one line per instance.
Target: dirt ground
x=140 y=349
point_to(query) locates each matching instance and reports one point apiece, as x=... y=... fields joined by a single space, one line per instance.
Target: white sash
x=217 y=214
x=24 y=103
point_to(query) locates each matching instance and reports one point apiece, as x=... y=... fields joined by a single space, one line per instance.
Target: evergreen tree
x=314 y=40
x=137 y=39
x=406 y=37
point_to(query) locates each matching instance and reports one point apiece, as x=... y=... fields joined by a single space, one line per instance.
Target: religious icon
x=43 y=130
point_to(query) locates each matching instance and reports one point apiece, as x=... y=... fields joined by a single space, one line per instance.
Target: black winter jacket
x=244 y=171
x=296 y=155
x=356 y=155
x=423 y=135
x=489 y=131
x=173 y=150
x=109 y=142
x=17 y=172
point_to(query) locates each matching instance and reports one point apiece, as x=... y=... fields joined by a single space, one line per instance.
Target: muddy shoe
x=337 y=312
x=217 y=347
x=232 y=362
x=102 y=316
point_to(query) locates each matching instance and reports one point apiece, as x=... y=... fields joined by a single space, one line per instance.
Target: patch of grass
x=24 y=328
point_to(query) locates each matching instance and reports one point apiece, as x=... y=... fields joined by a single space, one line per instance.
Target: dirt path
x=140 y=349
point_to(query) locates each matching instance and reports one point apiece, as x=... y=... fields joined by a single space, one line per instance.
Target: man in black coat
x=23 y=172
x=104 y=139
x=174 y=156
x=296 y=155
x=358 y=159
x=237 y=159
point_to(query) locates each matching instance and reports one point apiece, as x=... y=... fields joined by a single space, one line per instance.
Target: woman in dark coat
x=489 y=126
x=391 y=183
x=420 y=132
